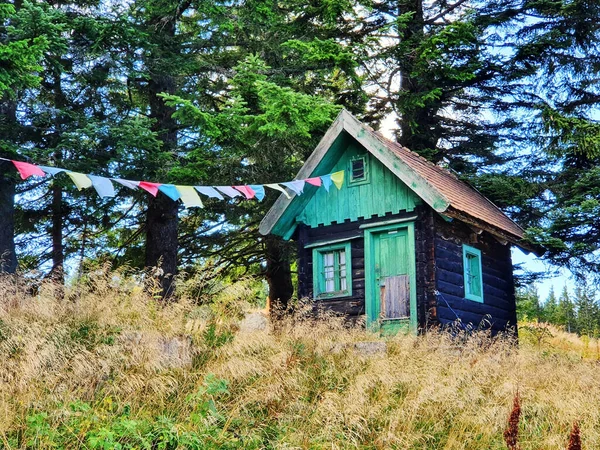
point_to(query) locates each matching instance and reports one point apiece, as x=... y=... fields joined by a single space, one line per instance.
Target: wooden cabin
x=404 y=242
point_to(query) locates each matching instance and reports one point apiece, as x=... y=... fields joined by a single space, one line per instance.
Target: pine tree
x=565 y=313
x=587 y=310
x=19 y=64
x=528 y=304
x=550 y=307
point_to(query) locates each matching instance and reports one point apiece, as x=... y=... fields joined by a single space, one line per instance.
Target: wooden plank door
x=391 y=283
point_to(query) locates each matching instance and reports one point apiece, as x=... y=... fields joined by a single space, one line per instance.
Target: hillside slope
x=107 y=367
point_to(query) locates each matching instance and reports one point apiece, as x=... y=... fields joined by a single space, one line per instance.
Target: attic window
x=359 y=170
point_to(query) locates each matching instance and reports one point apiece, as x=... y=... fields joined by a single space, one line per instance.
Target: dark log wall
x=496 y=265
x=355 y=305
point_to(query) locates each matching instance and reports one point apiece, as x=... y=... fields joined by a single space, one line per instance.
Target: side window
x=472 y=273
x=358 y=167
x=332 y=271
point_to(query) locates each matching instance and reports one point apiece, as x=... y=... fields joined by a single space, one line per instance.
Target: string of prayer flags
x=326 y=179
x=259 y=191
x=297 y=186
x=81 y=181
x=51 y=170
x=246 y=190
x=229 y=191
x=315 y=181
x=189 y=197
x=282 y=190
x=187 y=194
x=127 y=183
x=152 y=188
x=103 y=186
x=338 y=179
x=170 y=191
x=209 y=192
x=26 y=170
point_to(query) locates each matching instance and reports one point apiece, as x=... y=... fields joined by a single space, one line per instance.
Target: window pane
x=358 y=169
x=473 y=282
x=329 y=271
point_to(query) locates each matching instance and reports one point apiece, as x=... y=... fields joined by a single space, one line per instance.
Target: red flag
x=316 y=181
x=150 y=187
x=246 y=190
x=26 y=169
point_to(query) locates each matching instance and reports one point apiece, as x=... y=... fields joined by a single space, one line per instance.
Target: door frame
x=372 y=306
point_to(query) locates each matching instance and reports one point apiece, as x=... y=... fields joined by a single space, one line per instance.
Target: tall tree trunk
x=8 y=257
x=417 y=116
x=58 y=257
x=161 y=218
x=278 y=275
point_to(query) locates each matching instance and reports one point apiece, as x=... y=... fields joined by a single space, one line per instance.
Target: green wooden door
x=390 y=296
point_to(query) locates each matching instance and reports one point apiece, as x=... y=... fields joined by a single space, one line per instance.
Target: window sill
x=333 y=295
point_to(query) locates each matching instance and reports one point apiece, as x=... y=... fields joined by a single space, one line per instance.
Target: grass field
x=103 y=365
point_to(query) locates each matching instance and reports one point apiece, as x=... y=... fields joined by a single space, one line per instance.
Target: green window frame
x=332 y=271
x=358 y=168
x=473 y=275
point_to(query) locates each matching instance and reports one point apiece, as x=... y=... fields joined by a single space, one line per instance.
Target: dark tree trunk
x=8 y=257
x=278 y=275
x=58 y=256
x=417 y=123
x=161 y=218
x=161 y=240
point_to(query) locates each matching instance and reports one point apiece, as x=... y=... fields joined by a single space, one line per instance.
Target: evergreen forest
x=503 y=93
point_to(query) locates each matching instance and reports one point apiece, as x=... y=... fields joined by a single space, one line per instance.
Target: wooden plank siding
x=498 y=288
x=354 y=306
x=383 y=194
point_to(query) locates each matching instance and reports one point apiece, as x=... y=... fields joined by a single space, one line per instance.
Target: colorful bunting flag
x=127 y=183
x=279 y=188
x=103 y=186
x=246 y=190
x=209 y=191
x=259 y=191
x=297 y=186
x=189 y=196
x=315 y=181
x=150 y=187
x=326 y=179
x=170 y=191
x=26 y=169
x=229 y=191
x=52 y=170
x=81 y=180
x=338 y=179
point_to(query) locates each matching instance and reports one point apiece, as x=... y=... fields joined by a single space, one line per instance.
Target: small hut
x=404 y=242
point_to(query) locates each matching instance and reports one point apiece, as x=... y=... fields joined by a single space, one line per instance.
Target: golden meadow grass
x=88 y=371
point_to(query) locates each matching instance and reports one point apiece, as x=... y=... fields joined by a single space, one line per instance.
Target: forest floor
x=104 y=365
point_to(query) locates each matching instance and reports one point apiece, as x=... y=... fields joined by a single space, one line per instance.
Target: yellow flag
x=81 y=181
x=338 y=179
x=278 y=188
x=189 y=196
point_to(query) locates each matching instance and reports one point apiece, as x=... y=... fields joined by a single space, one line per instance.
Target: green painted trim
x=318 y=273
x=366 y=163
x=386 y=222
x=332 y=241
x=468 y=250
x=372 y=307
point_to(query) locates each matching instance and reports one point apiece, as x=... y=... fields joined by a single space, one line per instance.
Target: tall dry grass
x=89 y=371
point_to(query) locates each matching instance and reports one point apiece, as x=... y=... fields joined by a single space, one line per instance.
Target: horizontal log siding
x=496 y=265
x=354 y=306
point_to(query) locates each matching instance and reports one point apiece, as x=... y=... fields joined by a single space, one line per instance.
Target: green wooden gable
x=378 y=193
x=392 y=186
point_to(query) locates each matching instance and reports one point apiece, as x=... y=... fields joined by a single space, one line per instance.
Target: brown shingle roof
x=463 y=198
